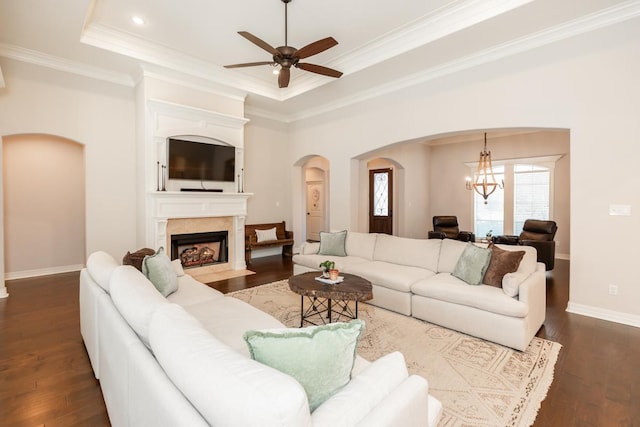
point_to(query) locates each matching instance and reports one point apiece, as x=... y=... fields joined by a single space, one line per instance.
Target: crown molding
x=606 y=17
x=54 y=62
x=105 y=37
x=188 y=81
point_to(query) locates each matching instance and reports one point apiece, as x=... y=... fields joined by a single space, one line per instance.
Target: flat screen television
x=201 y=161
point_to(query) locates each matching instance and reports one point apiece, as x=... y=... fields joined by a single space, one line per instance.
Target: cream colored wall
x=44 y=196
x=587 y=84
x=448 y=171
x=266 y=147
x=98 y=115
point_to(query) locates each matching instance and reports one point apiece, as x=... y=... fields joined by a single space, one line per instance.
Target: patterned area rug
x=478 y=382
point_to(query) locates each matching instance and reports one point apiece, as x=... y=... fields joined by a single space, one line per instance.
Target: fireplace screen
x=199 y=249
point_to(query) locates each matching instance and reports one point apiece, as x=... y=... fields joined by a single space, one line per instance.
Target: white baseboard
x=604 y=314
x=563 y=256
x=42 y=272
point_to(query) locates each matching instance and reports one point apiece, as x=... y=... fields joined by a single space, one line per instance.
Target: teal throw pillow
x=160 y=272
x=472 y=264
x=333 y=243
x=320 y=358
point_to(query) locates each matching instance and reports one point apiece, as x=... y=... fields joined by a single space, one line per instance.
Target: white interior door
x=315 y=209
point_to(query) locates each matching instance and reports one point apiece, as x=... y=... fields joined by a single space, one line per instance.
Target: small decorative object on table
x=329 y=270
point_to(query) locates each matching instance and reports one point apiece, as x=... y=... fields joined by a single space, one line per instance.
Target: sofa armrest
x=533 y=292
x=407 y=405
x=383 y=387
x=309 y=248
x=506 y=240
x=436 y=235
x=467 y=236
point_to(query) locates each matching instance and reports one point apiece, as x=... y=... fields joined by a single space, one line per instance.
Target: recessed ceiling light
x=137 y=20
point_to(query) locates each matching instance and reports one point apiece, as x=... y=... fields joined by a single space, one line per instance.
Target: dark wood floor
x=46 y=379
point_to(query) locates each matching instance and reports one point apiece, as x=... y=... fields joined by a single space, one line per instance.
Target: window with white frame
x=527 y=194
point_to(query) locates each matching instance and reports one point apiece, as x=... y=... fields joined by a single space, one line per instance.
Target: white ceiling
x=383 y=45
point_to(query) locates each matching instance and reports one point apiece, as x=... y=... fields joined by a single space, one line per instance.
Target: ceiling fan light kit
x=287 y=56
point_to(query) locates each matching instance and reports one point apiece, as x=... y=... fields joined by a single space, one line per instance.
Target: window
x=490 y=216
x=527 y=194
x=531 y=194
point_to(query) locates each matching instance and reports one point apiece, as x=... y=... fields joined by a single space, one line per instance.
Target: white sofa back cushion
x=361 y=244
x=422 y=253
x=227 y=388
x=450 y=252
x=136 y=299
x=100 y=266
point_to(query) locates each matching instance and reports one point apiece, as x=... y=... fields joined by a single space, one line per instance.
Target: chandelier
x=484 y=181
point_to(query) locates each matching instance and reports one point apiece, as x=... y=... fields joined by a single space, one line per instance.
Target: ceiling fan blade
x=316 y=47
x=319 y=69
x=259 y=42
x=283 y=77
x=249 y=64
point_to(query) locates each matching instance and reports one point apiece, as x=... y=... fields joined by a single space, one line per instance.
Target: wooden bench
x=285 y=239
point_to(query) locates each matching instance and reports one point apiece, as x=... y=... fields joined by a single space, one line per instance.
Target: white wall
x=587 y=84
x=98 y=115
x=44 y=196
x=266 y=148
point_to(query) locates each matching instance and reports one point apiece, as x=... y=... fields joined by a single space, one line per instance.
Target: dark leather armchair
x=446 y=227
x=540 y=235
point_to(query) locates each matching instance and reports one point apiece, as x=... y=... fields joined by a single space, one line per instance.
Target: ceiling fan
x=287 y=56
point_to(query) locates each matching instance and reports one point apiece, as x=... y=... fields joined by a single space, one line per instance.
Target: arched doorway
x=43 y=205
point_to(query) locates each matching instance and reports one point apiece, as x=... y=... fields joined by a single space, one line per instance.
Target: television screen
x=201 y=161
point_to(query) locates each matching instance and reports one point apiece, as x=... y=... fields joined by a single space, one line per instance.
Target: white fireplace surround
x=175 y=204
x=162 y=119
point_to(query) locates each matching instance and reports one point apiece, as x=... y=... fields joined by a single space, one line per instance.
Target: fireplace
x=200 y=249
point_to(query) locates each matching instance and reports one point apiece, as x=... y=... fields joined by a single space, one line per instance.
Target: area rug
x=478 y=382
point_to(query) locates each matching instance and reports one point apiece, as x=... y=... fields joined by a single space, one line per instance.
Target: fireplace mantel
x=167 y=205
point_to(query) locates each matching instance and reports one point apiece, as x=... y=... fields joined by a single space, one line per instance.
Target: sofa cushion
x=472 y=264
x=502 y=262
x=450 y=252
x=387 y=275
x=421 y=253
x=333 y=243
x=136 y=299
x=100 y=266
x=360 y=245
x=342 y=263
x=160 y=272
x=228 y=318
x=446 y=287
x=321 y=358
x=190 y=292
x=511 y=281
x=227 y=388
x=363 y=393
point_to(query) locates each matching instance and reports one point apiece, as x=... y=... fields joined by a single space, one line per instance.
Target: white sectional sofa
x=413 y=277
x=182 y=361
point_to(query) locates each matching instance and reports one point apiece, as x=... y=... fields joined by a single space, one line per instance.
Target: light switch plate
x=620 y=210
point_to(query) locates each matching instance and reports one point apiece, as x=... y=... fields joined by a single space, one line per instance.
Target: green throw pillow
x=333 y=243
x=472 y=264
x=320 y=358
x=160 y=272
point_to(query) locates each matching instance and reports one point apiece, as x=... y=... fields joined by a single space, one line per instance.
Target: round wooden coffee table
x=329 y=301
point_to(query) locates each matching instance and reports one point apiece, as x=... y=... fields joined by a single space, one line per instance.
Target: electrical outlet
x=613 y=290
